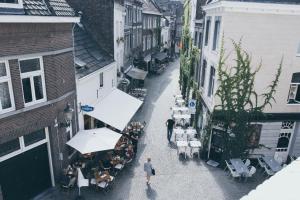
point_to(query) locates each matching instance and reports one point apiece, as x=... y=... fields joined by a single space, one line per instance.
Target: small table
x=272 y=163
x=182 y=116
x=239 y=166
x=195 y=145
x=182 y=144
x=178 y=131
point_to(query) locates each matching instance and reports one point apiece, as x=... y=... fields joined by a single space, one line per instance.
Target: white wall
x=119 y=13
x=89 y=91
x=266 y=37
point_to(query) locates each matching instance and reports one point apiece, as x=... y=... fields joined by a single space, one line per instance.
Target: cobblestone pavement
x=176 y=178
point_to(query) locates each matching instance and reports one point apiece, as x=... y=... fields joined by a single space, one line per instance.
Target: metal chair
x=247 y=162
x=268 y=171
x=261 y=163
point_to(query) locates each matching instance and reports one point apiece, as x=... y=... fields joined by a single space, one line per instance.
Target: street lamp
x=68 y=114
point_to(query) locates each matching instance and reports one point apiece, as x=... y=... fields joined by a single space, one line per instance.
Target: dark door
x=26 y=175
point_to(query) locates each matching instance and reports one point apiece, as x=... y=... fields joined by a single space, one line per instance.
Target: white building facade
x=92 y=88
x=165 y=33
x=119 y=17
x=267 y=34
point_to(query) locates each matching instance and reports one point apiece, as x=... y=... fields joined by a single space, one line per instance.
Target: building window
x=101 y=80
x=216 y=33
x=33 y=82
x=203 y=72
x=9 y=147
x=9 y=1
x=294 y=93
x=211 y=81
x=144 y=43
x=195 y=38
x=6 y=92
x=207 y=30
x=34 y=137
x=199 y=40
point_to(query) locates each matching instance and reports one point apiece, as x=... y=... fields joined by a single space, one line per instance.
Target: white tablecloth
x=182 y=143
x=195 y=144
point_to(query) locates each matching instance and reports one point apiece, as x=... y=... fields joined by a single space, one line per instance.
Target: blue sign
x=192 y=106
x=87 y=108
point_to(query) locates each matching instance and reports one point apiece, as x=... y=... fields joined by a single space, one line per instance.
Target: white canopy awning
x=94 y=140
x=283 y=185
x=136 y=73
x=116 y=109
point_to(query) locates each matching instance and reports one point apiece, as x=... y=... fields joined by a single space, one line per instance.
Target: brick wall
x=98 y=18
x=22 y=39
x=18 y=39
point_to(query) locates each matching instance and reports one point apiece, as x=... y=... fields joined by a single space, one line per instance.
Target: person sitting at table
x=129 y=152
x=134 y=140
x=103 y=176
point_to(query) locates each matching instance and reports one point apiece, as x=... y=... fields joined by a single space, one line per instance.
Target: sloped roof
x=149 y=7
x=262 y=1
x=89 y=57
x=41 y=8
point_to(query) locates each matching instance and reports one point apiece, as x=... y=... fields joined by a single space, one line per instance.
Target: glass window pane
x=9 y=147
x=27 y=90
x=4 y=95
x=2 y=69
x=38 y=87
x=30 y=65
x=34 y=137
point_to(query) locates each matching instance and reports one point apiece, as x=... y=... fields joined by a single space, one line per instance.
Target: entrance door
x=284 y=141
x=25 y=175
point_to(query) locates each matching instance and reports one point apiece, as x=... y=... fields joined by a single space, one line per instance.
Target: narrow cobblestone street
x=176 y=178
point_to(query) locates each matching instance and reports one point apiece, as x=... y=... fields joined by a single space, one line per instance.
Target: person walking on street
x=170 y=124
x=148 y=169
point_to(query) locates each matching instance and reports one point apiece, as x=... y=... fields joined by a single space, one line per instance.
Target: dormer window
x=11 y=4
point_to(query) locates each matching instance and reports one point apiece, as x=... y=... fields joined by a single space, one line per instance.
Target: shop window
x=33 y=82
x=9 y=147
x=34 y=137
x=6 y=92
x=254 y=135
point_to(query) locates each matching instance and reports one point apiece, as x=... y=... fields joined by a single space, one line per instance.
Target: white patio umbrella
x=88 y=141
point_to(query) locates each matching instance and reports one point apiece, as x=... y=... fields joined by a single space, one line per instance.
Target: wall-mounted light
x=68 y=114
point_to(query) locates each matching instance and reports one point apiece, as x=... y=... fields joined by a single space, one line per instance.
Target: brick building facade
x=37 y=81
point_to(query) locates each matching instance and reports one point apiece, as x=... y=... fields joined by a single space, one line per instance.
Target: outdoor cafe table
x=178 y=96
x=272 y=163
x=239 y=166
x=182 y=144
x=195 y=144
x=178 y=131
x=183 y=116
x=182 y=109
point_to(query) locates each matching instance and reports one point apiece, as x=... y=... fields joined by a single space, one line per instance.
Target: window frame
x=17 y=5
x=216 y=35
x=31 y=75
x=7 y=79
x=297 y=85
x=203 y=73
x=211 y=83
x=207 y=31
